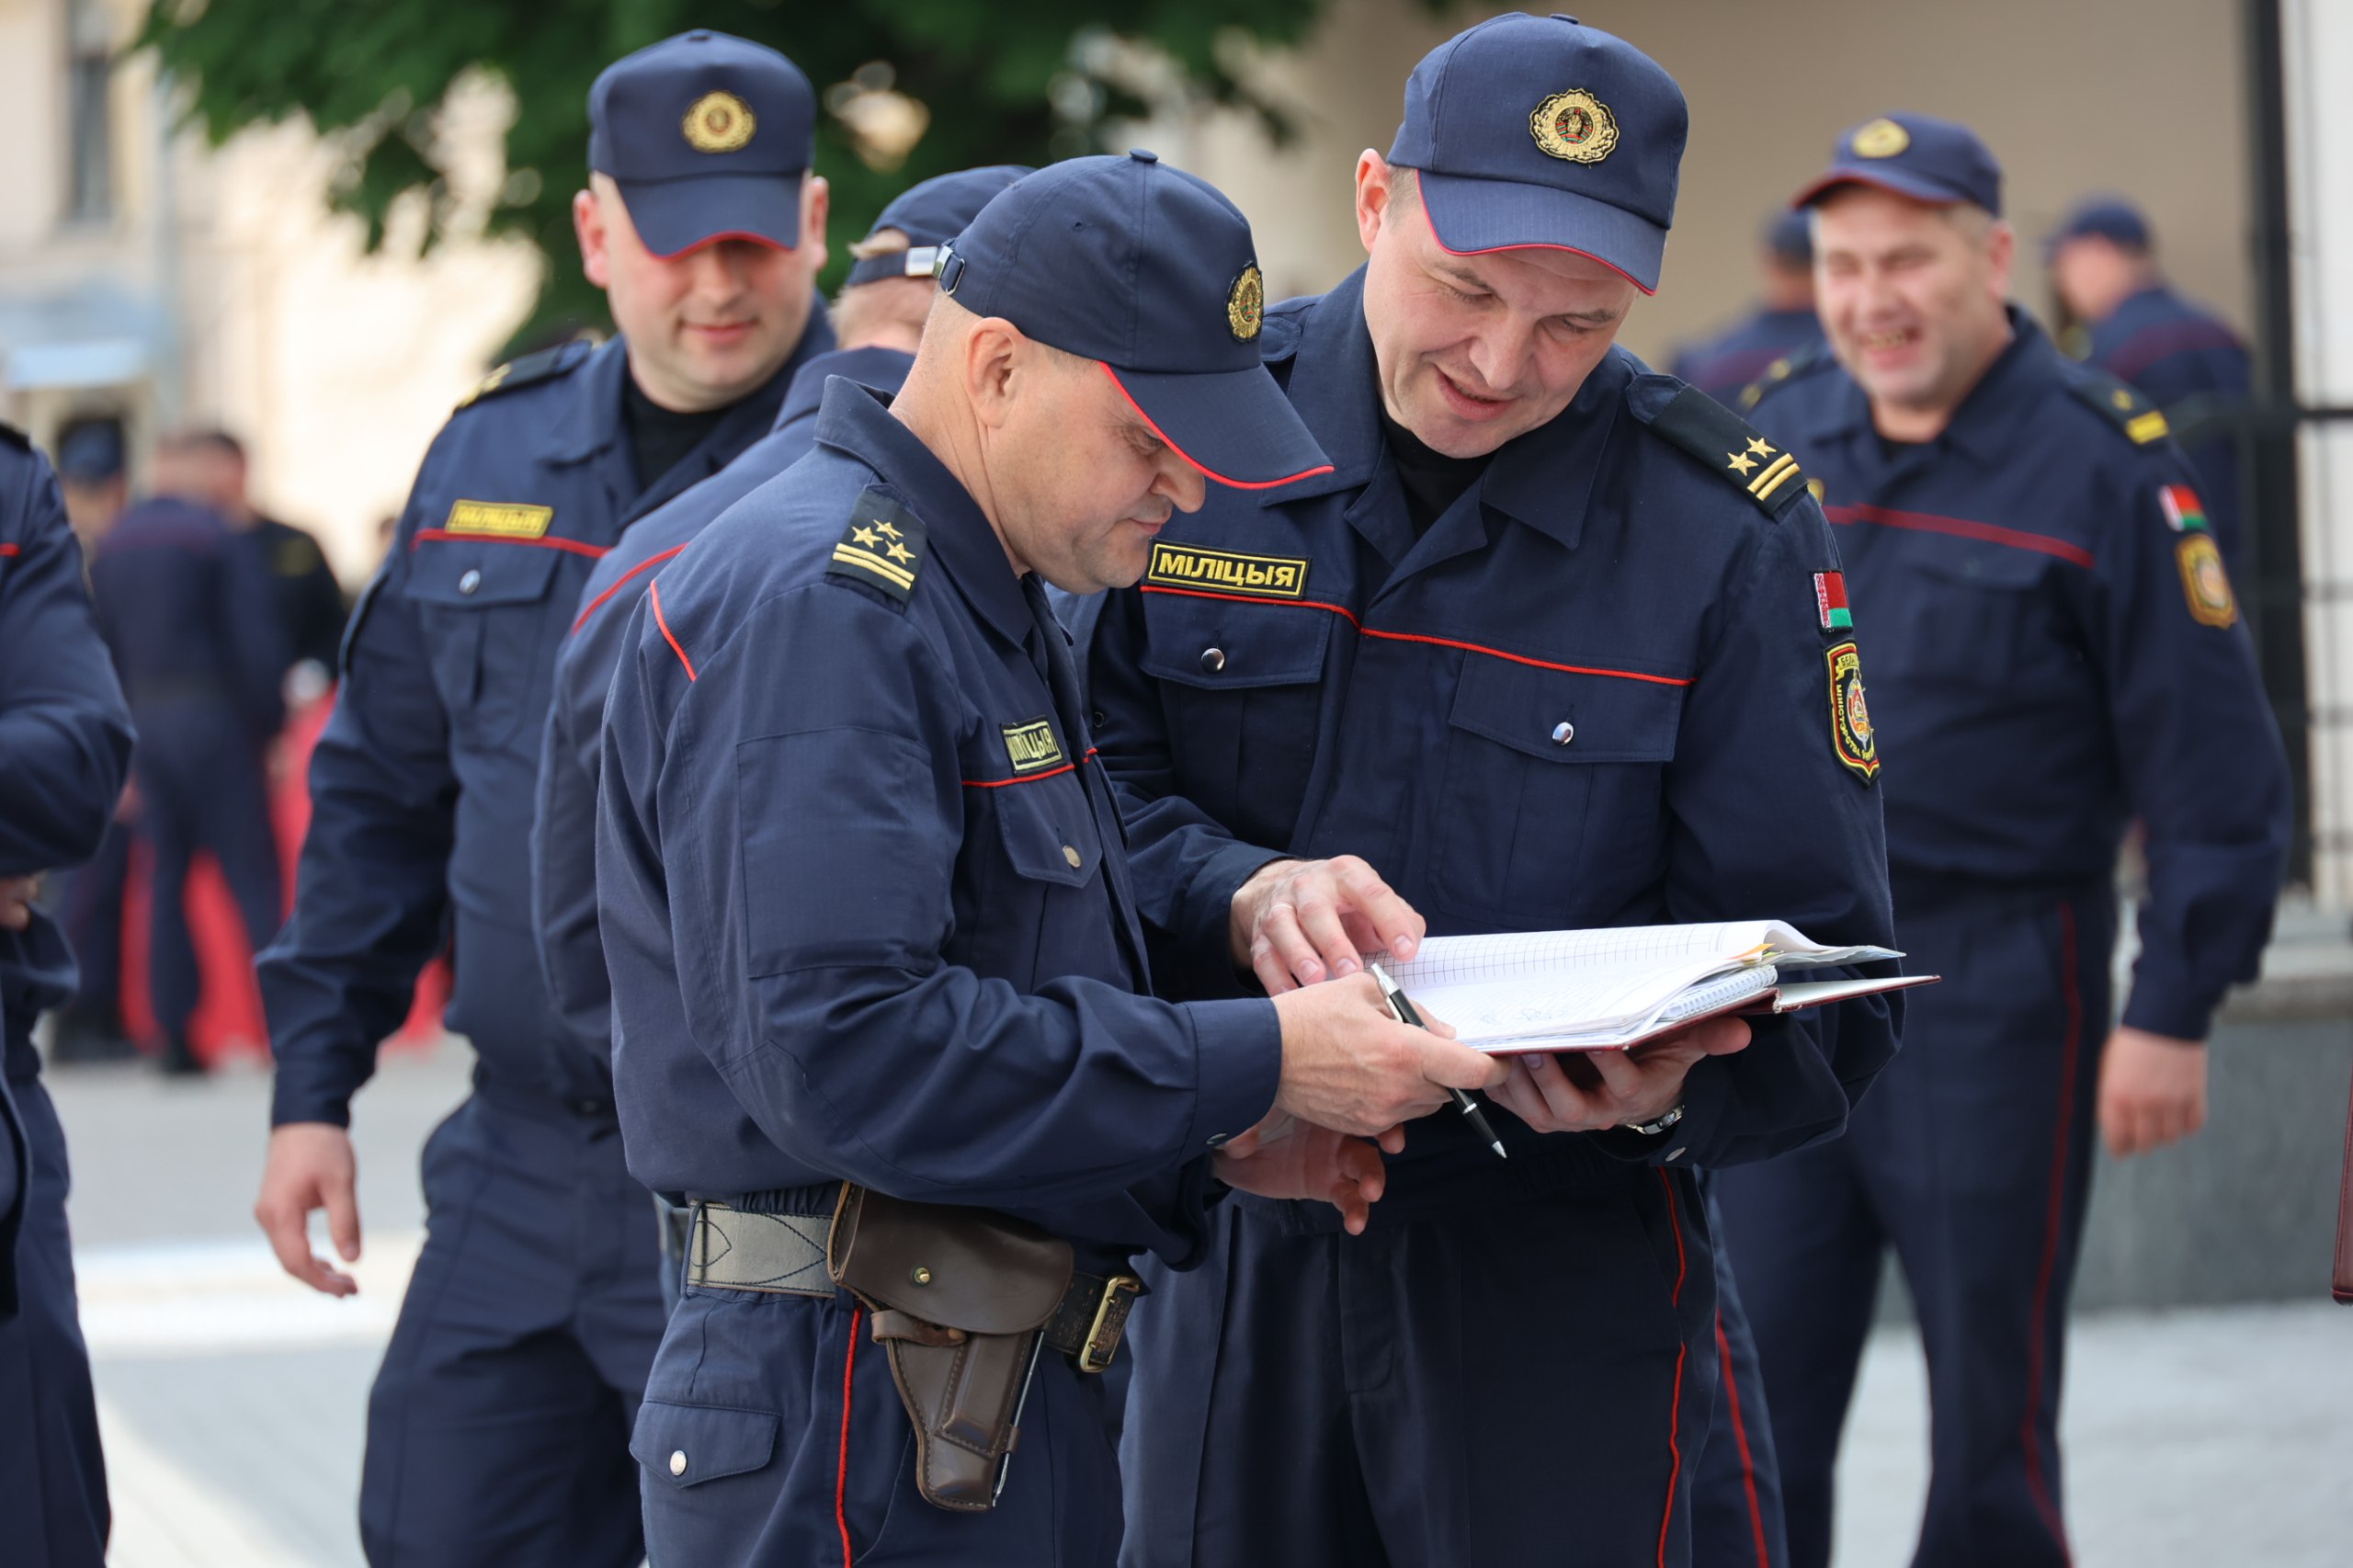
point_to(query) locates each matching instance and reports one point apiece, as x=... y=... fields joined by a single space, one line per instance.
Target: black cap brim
x=1472 y=217
x=1235 y=427
x=675 y=216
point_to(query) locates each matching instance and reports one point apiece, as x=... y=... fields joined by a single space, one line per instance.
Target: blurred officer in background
x=878 y=321
x=1542 y=651
x=862 y=885
x=189 y=614
x=64 y=747
x=93 y=472
x=1781 y=326
x=303 y=591
x=2177 y=354
x=498 y=1428
x=2056 y=651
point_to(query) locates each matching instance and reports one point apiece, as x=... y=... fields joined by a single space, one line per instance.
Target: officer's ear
x=2001 y=256
x=596 y=239
x=995 y=366
x=1377 y=189
x=816 y=201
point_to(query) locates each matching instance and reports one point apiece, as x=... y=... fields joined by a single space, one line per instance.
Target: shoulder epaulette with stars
x=882 y=548
x=2124 y=406
x=1731 y=446
x=543 y=365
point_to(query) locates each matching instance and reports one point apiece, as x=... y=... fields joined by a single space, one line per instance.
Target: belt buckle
x=1119 y=1292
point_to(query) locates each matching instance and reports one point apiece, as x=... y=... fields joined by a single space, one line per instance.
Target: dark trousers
x=1736 y=1519
x=1524 y=1380
x=498 y=1428
x=772 y=1434
x=201 y=787
x=90 y=908
x=1972 y=1158
x=53 y=1476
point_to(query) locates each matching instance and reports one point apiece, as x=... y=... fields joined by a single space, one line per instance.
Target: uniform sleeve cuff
x=1203 y=963
x=1239 y=1046
x=289 y=1103
x=2158 y=1010
x=1690 y=1141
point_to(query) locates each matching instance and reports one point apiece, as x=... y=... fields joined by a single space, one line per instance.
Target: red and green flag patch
x=1830 y=601
x=2183 y=509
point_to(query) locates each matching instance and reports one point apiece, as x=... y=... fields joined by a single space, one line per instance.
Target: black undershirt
x=659 y=437
x=1432 y=481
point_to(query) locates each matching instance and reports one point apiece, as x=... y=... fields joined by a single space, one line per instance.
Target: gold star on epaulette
x=886 y=528
x=1761 y=447
x=864 y=537
x=1740 y=464
x=900 y=553
x=877 y=552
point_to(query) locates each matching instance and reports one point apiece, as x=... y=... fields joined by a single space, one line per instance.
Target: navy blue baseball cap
x=1540 y=131
x=90 y=453
x=708 y=136
x=1152 y=273
x=2109 y=218
x=1939 y=162
x=930 y=214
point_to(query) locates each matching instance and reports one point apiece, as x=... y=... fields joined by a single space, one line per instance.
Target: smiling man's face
x=1476 y=349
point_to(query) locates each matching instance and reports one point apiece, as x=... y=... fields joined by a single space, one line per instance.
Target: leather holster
x=959 y=1298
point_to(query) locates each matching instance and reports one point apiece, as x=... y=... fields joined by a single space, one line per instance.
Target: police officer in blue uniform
x=1781 y=326
x=187 y=611
x=869 y=920
x=2056 y=649
x=1541 y=651
x=498 y=1425
x=65 y=751
x=878 y=321
x=2179 y=356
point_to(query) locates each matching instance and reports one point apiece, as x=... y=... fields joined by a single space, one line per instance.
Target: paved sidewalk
x=233 y=1399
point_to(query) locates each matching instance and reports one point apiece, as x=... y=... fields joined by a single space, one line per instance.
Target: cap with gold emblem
x=708 y=136
x=1152 y=273
x=1534 y=132
x=1916 y=155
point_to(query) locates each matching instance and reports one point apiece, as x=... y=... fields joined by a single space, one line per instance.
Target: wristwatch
x=1652 y=1128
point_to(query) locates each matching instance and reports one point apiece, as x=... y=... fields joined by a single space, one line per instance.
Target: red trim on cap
x=1206 y=471
x=1424 y=196
x=645 y=565
x=1805 y=198
x=712 y=240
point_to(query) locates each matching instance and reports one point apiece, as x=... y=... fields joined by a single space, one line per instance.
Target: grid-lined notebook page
x=1459 y=960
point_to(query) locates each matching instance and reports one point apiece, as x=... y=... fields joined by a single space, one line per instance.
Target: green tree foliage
x=1002 y=83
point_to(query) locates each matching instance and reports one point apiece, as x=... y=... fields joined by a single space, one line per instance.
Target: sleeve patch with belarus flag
x=882 y=547
x=1850 y=717
x=1830 y=601
x=2203 y=581
x=2184 y=511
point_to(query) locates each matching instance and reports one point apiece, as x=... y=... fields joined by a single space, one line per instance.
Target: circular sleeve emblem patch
x=1245 y=304
x=1574 y=126
x=2207 y=585
x=1879 y=138
x=720 y=123
x=1851 y=716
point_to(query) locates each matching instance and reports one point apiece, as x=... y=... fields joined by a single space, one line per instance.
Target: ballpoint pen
x=1462 y=1100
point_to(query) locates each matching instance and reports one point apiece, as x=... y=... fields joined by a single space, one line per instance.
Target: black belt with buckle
x=729 y=1249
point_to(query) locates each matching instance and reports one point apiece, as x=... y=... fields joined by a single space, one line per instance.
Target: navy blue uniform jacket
x=189 y=611
x=2183 y=359
x=64 y=749
x=1746 y=351
x=861 y=887
x=1596 y=692
x=423 y=782
x=2051 y=654
x=563 y=871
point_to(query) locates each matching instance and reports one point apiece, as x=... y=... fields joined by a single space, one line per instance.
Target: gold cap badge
x=1245 y=303
x=720 y=123
x=1575 y=125
x=1879 y=138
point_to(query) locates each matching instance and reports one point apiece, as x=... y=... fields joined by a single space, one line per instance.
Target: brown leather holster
x=962 y=1299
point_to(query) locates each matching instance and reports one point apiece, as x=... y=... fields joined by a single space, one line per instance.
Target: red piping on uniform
x=8 y=549
x=1207 y=472
x=1364 y=631
x=1929 y=522
x=1740 y=1440
x=841 y=1467
x=593 y=552
x=2038 y=1328
x=647 y=564
x=654 y=593
x=1025 y=777
x=1675 y=1411
x=1529 y=245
